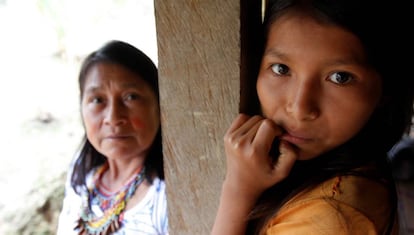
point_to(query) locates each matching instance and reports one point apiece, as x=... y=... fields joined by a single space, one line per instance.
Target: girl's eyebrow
x=349 y=60
x=273 y=52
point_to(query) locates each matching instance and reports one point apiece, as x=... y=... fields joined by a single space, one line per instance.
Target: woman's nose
x=115 y=113
x=302 y=103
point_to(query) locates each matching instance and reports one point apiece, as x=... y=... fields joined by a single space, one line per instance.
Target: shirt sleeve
x=69 y=213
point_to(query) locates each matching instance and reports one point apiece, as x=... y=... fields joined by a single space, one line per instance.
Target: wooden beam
x=199 y=62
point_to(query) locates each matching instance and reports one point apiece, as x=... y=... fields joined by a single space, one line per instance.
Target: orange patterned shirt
x=348 y=205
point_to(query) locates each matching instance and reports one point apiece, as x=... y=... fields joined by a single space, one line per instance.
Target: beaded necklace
x=102 y=213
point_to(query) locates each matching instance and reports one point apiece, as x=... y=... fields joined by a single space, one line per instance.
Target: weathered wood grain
x=199 y=62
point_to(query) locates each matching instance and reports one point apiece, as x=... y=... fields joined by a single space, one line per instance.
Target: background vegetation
x=42 y=43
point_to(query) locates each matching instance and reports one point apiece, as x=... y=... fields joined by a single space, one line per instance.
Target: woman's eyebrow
x=131 y=85
x=92 y=89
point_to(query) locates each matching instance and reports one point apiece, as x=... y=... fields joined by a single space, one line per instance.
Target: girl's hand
x=250 y=169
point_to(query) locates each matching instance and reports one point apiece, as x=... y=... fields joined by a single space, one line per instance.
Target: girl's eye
x=341 y=78
x=280 y=69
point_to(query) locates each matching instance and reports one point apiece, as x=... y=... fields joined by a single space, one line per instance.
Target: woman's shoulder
x=158 y=191
x=151 y=211
x=158 y=184
x=155 y=196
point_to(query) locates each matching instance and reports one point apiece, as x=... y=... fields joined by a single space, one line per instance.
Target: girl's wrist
x=240 y=193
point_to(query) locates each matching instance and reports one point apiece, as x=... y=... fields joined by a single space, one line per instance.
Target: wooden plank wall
x=199 y=62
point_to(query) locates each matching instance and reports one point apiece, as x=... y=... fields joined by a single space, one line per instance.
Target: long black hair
x=133 y=59
x=385 y=40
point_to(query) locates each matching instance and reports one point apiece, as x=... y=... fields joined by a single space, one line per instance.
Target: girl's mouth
x=295 y=138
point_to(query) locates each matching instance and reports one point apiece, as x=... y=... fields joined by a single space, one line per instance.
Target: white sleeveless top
x=148 y=217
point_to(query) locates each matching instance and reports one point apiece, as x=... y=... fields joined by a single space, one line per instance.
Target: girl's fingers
x=242 y=130
x=247 y=144
x=237 y=122
x=285 y=161
x=242 y=124
x=266 y=134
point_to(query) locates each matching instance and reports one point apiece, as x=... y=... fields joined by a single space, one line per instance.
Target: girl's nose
x=302 y=103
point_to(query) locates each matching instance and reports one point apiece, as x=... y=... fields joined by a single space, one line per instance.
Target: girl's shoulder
x=354 y=201
x=359 y=192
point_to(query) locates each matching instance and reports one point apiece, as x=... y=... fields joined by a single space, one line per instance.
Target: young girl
x=334 y=98
x=116 y=183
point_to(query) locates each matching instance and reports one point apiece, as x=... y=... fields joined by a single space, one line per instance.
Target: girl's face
x=314 y=82
x=120 y=111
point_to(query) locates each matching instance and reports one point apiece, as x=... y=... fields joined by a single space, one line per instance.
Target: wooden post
x=199 y=62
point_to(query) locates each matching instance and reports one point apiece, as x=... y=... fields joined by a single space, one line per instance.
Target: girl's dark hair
x=133 y=59
x=382 y=30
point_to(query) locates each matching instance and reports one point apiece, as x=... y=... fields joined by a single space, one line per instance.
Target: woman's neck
x=118 y=174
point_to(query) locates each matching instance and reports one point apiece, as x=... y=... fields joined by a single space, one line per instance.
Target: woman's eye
x=132 y=96
x=96 y=100
x=340 y=78
x=280 y=69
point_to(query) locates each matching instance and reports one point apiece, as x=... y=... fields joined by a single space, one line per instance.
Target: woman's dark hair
x=133 y=59
x=382 y=31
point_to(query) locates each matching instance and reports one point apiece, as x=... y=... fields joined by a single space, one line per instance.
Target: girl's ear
x=384 y=101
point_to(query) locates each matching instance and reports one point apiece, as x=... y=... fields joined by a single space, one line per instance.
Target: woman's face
x=314 y=82
x=120 y=111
